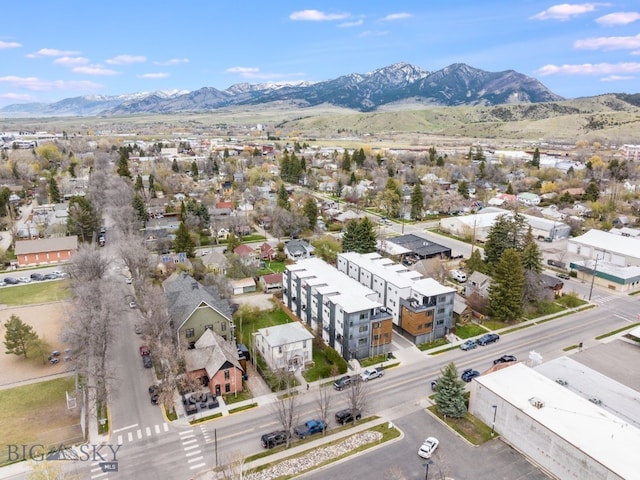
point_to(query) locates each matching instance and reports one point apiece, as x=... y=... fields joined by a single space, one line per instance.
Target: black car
x=146 y=361
x=505 y=359
x=347 y=415
x=50 y=276
x=38 y=277
x=488 y=338
x=342 y=382
x=273 y=439
x=11 y=281
x=469 y=374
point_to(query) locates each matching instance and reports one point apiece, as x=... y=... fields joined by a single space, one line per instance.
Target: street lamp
x=493 y=424
x=426 y=475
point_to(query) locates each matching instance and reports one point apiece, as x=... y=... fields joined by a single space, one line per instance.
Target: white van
x=459 y=275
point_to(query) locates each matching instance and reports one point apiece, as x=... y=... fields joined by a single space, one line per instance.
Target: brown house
x=215 y=362
x=43 y=251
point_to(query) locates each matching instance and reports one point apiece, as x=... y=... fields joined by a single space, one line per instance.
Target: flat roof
x=486 y=217
x=603 y=436
x=612 y=243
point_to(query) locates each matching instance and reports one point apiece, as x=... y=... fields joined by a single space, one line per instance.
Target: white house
x=529 y=199
x=287 y=346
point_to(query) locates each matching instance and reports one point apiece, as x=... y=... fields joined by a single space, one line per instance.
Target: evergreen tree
x=233 y=241
x=152 y=186
x=350 y=237
x=225 y=153
x=81 y=219
x=174 y=166
x=475 y=263
x=346 y=161
x=432 y=155
x=440 y=161
x=295 y=172
x=54 y=191
x=352 y=179
x=215 y=167
x=72 y=169
x=592 y=192
x=140 y=209
x=366 y=237
x=283 y=198
x=535 y=161
x=417 y=202
x=18 y=337
x=310 y=210
x=303 y=165
x=139 y=186
x=359 y=157
x=509 y=190
x=481 y=170
x=194 y=170
x=463 y=189
x=507 y=287
x=507 y=232
x=285 y=167
x=450 y=393
x=123 y=164
x=531 y=254
x=183 y=241
x=339 y=189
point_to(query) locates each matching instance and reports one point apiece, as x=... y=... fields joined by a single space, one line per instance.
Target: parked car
x=133 y=304
x=11 y=281
x=59 y=274
x=137 y=328
x=469 y=374
x=563 y=276
x=273 y=439
x=458 y=276
x=347 y=415
x=50 y=276
x=147 y=362
x=38 y=277
x=434 y=385
x=371 y=372
x=342 y=382
x=24 y=280
x=505 y=359
x=154 y=394
x=469 y=344
x=309 y=428
x=128 y=280
x=428 y=447
x=144 y=351
x=488 y=338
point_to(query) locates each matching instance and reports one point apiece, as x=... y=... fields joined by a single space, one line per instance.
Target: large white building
x=288 y=346
x=561 y=429
x=421 y=307
x=346 y=314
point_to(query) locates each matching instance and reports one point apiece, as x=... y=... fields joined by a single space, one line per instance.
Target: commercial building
x=345 y=313
x=421 y=308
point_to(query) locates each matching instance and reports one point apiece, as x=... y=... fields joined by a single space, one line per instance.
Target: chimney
x=194 y=286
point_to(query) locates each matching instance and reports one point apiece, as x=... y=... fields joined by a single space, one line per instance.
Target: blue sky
x=60 y=49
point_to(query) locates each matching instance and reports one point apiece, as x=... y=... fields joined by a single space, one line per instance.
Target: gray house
x=298 y=249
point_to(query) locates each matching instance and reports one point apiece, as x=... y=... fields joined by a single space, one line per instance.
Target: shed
x=243 y=285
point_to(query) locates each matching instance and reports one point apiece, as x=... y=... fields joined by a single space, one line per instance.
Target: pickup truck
x=371 y=373
x=309 y=428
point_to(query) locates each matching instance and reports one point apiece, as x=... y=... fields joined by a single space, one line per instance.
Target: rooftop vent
x=536 y=402
x=562 y=382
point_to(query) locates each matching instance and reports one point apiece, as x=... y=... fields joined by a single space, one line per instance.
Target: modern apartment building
x=345 y=313
x=421 y=308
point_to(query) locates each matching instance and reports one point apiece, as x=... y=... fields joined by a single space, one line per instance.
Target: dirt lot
x=46 y=320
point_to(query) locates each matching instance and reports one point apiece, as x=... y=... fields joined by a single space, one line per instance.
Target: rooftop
x=609 y=242
x=285 y=334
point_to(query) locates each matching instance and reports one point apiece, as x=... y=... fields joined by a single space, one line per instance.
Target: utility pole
x=593 y=276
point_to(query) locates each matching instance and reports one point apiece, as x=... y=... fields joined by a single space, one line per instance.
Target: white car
x=133 y=304
x=128 y=280
x=428 y=447
x=24 y=280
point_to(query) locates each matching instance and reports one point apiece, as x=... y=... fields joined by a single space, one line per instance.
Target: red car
x=144 y=350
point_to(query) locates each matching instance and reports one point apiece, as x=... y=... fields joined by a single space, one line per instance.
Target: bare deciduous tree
x=135 y=256
x=87 y=265
x=233 y=467
x=324 y=400
x=286 y=408
x=358 y=395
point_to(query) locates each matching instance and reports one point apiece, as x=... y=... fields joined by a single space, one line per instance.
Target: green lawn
x=36 y=292
x=38 y=414
x=271 y=267
x=248 y=323
x=436 y=343
x=469 y=427
x=469 y=330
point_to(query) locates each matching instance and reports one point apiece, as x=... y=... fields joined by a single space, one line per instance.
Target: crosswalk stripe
x=157 y=428
x=148 y=430
x=197 y=452
x=191 y=460
x=192 y=440
x=130 y=436
x=165 y=427
x=200 y=465
x=139 y=432
x=185 y=432
x=190 y=447
x=119 y=439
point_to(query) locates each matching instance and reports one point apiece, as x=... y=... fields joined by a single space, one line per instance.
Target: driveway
x=261 y=300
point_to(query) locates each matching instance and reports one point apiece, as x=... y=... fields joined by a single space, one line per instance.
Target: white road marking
x=191 y=460
x=165 y=427
x=191 y=447
x=200 y=465
x=125 y=428
x=130 y=436
x=148 y=431
x=157 y=428
x=139 y=432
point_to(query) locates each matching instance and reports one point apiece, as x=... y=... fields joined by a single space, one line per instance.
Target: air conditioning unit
x=536 y=402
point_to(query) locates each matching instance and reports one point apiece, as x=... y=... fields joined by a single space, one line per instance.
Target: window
x=189 y=332
x=362 y=341
x=223 y=326
x=420 y=327
x=208 y=327
x=363 y=316
x=440 y=322
x=304 y=344
x=363 y=328
x=376 y=325
x=441 y=310
x=227 y=375
x=227 y=388
x=376 y=337
x=428 y=325
x=279 y=349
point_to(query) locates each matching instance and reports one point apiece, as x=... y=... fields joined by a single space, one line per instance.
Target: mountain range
x=457 y=84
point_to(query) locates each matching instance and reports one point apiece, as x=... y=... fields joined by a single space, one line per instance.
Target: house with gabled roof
x=215 y=362
x=288 y=346
x=194 y=308
x=267 y=252
x=248 y=255
x=43 y=251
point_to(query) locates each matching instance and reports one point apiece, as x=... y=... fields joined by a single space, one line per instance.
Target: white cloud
x=71 y=61
x=590 y=69
x=565 y=11
x=16 y=96
x=172 y=61
x=52 y=52
x=94 y=70
x=373 y=33
x=9 y=45
x=615 y=78
x=317 y=16
x=355 y=23
x=254 y=73
x=396 y=16
x=609 y=43
x=126 y=59
x=35 y=84
x=154 y=75
x=618 y=18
